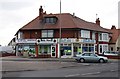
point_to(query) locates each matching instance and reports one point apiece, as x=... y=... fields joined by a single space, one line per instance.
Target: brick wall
x=31 y=34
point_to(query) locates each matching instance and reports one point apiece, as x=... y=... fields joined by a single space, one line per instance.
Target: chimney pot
x=113 y=27
x=98 y=21
x=40 y=12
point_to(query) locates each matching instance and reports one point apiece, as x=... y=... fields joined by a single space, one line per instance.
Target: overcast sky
x=16 y=13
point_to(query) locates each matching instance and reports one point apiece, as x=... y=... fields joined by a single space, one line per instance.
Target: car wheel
x=101 y=60
x=82 y=60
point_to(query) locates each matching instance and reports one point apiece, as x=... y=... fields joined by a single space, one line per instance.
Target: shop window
x=44 y=49
x=65 y=50
x=88 y=48
x=31 y=49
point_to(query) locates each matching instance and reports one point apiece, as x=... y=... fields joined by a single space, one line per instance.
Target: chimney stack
x=113 y=27
x=98 y=21
x=40 y=13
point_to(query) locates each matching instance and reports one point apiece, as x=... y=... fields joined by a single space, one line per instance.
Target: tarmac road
x=52 y=68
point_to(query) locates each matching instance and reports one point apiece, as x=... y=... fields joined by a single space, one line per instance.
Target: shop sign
x=88 y=41
x=66 y=40
x=46 y=41
x=26 y=41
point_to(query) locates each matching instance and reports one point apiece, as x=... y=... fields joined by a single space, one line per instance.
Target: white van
x=7 y=49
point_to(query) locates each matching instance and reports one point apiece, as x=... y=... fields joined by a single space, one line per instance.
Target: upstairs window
x=85 y=34
x=20 y=35
x=100 y=36
x=47 y=33
x=51 y=20
x=103 y=37
x=93 y=35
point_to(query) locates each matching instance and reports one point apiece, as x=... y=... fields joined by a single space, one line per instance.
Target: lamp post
x=60 y=35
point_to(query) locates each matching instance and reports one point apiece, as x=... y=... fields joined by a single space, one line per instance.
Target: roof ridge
x=74 y=20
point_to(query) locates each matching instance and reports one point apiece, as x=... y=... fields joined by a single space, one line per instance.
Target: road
x=109 y=69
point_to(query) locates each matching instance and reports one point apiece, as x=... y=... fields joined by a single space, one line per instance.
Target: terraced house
x=114 y=43
x=41 y=36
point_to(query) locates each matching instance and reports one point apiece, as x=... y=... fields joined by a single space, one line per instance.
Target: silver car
x=90 y=57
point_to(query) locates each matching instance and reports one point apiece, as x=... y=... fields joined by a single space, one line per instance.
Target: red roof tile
x=67 y=21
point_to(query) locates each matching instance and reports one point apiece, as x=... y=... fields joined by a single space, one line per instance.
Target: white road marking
x=85 y=64
x=104 y=64
x=112 y=70
x=95 y=64
x=73 y=75
x=112 y=63
x=91 y=73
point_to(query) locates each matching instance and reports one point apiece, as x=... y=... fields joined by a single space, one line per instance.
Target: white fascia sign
x=88 y=41
x=26 y=41
x=46 y=41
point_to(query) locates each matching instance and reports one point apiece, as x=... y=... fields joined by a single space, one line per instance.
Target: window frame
x=93 y=35
x=103 y=46
x=50 y=20
x=103 y=37
x=47 y=32
x=85 y=33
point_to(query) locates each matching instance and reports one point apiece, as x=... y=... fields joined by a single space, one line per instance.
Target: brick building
x=114 y=43
x=40 y=37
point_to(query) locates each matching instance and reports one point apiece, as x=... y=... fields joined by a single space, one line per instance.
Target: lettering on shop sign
x=46 y=40
x=65 y=40
x=88 y=41
x=26 y=40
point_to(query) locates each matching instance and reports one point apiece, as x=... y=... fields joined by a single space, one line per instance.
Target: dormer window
x=50 y=20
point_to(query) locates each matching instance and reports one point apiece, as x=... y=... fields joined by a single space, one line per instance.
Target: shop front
x=46 y=48
x=43 y=48
x=71 y=47
x=26 y=47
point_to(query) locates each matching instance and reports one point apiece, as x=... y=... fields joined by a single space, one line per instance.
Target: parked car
x=90 y=57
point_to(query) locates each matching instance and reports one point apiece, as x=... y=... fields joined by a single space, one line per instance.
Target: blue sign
x=88 y=41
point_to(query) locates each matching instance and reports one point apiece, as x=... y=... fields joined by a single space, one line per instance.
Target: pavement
x=17 y=58
x=20 y=64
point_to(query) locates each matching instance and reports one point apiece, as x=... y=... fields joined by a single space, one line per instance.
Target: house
x=41 y=36
x=114 y=43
